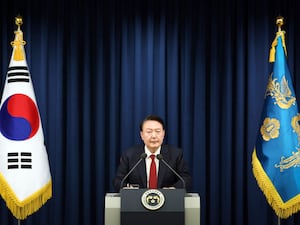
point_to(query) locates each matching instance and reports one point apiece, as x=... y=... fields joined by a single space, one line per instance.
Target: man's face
x=152 y=134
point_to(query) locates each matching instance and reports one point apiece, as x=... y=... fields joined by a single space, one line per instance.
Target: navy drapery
x=99 y=67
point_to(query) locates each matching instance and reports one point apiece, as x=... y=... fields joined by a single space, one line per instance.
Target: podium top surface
x=117 y=194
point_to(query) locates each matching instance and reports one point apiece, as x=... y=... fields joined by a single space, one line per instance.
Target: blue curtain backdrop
x=99 y=67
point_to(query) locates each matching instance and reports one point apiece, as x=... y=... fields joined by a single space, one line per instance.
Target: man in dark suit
x=152 y=132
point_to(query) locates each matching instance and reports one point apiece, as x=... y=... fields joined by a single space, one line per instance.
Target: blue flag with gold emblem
x=276 y=156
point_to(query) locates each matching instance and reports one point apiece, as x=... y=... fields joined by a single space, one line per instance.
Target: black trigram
x=16 y=160
x=17 y=74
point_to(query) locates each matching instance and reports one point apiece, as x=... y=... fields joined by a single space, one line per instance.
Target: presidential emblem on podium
x=153 y=199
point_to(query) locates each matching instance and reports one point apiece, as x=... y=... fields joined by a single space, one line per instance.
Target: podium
x=161 y=206
x=152 y=206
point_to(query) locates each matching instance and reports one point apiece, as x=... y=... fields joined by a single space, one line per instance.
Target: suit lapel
x=142 y=168
x=162 y=167
x=143 y=174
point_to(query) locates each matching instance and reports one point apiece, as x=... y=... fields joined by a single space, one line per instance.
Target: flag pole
x=279 y=23
x=19 y=22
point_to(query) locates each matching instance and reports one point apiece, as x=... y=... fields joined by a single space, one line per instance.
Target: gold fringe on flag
x=22 y=209
x=282 y=209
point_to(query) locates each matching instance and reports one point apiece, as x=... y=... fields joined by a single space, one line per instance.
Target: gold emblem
x=294 y=159
x=291 y=161
x=153 y=199
x=280 y=92
x=296 y=126
x=270 y=129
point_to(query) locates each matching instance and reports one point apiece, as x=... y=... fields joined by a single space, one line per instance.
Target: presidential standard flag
x=276 y=156
x=25 y=179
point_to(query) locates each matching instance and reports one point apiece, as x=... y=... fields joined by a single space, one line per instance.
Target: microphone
x=161 y=158
x=143 y=156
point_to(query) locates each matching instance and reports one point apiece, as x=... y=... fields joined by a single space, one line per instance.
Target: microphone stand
x=160 y=157
x=143 y=156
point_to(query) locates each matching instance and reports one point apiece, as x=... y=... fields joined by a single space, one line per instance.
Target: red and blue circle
x=19 y=117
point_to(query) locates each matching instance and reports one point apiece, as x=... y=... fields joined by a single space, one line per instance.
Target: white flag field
x=25 y=178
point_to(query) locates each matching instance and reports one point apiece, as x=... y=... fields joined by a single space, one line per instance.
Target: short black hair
x=152 y=117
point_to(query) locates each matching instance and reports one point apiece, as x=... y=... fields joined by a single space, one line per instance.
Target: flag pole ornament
x=25 y=179
x=276 y=155
x=281 y=33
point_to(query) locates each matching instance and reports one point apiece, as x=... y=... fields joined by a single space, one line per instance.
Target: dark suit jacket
x=166 y=178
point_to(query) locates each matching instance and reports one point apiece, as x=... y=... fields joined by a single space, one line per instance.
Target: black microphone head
x=159 y=156
x=143 y=155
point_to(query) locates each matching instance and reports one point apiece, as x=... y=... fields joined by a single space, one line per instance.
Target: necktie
x=153 y=175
